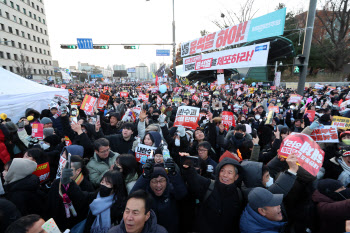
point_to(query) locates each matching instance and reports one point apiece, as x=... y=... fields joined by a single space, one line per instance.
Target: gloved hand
x=170 y=166
x=67 y=173
x=161 y=120
x=148 y=168
x=314 y=125
x=181 y=130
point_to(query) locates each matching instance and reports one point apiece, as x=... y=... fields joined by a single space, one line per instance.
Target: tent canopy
x=17 y=94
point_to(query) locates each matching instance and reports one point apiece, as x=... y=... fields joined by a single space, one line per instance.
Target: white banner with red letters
x=310 y=155
x=327 y=134
x=187 y=116
x=248 y=56
x=142 y=152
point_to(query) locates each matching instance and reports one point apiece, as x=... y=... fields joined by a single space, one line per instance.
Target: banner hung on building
x=268 y=25
x=249 y=56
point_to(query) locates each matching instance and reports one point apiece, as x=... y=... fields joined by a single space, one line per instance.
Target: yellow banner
x=341 y=122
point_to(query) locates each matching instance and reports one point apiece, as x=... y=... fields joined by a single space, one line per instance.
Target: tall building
x=153 y=67
x=119 y=67
x=24 y=39
x=142 y=72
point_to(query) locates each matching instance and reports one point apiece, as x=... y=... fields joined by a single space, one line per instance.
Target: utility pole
x=174 y=45
x=307 y=44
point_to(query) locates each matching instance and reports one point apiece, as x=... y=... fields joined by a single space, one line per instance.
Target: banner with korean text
x=248 y=56
x=327 y=134
x=142 y=152
x=102 y=101
x=268 y=25
x=187 y=117
x=88 y=103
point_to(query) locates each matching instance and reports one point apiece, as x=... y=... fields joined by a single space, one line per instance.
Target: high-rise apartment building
x=24 y=39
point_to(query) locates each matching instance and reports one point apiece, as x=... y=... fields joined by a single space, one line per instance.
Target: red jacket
x=4 y=154
x=333 y=214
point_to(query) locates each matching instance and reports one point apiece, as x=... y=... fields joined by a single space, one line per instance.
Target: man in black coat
x=221 y=206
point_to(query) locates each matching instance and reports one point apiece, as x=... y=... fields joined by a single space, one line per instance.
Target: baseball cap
x=261 y=197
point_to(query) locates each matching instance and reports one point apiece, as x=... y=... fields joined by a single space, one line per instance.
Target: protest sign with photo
x=327 y=134
x=341 y=122
x=268 y=25
x=310 y=155
x=88 y=104
x=310 y=114
x=187 y=117
x=142 y=152
x=38 y=130
x=228 y=120
x=248 y=56
x=195 y=98
x=102 y=101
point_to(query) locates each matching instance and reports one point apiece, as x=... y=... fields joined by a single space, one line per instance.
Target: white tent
x=17 y=94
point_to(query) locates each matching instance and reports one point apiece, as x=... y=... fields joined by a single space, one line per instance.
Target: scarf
x=344 y=177
x=101 y=208
x=79 y=179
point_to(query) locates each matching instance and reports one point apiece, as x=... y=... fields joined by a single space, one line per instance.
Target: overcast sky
x=135 y=21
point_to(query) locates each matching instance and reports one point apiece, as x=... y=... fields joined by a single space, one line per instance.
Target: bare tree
x=243 y=13
x=335 y=20
x=46 y=70
x=23 y=67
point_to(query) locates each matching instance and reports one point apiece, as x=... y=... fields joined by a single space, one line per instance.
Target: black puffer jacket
x=221 y=211
x=26 y=196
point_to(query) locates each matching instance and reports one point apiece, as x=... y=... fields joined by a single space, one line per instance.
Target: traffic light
x=71 y=46
x=101 y=47
x=131 y=47
x=298 y=64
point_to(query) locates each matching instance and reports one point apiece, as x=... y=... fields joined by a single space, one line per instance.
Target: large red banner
x=102 y=101
x=228 y=120
x=310 y=155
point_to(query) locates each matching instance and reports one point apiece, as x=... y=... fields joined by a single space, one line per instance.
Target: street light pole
x=174 y=44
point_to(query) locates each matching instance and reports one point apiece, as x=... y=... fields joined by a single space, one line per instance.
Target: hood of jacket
x=74 y=150
x=156 y=138
x=253 y=222
x=30 y=111
x=252 y=173
x=224 y=162
x=19 y=169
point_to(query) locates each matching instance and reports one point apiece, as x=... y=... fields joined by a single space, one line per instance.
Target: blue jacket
x=252 y=222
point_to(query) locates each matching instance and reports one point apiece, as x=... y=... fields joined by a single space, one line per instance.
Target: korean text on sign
x=228 y=120
x=328 y=134
x=187 y=116
x=341 y=122
x=142 y=152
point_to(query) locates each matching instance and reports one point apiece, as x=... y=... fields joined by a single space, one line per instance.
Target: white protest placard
x=142 y=152
x=327 y=134
x=221 y=79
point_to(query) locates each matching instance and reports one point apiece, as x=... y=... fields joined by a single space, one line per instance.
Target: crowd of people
x=86 y=173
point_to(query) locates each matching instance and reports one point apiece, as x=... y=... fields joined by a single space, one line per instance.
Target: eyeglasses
x=162 y=181
x=202 y=150
x=104 y=151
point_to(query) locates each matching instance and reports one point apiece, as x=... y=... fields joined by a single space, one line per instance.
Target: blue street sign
x=85 y=43
x=96 y=75
x=163 y=52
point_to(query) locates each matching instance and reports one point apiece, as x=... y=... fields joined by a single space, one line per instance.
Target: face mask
x=105 y=191
x=346 y=141
x=278 y=101
x=177 y=142
x=292 y=107
x=243 y=122
x=239 y=135
x=257 y=117
x=269 y=183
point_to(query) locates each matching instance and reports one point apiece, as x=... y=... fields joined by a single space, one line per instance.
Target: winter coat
x=220 y=212
x=332 y=168
x=332 y=214
x=253 y=222
x=97 y=168
x=150 y=226
x=4 y=154
x=25 y=194
x=118 y=144
x=55 y=207
x=165 y=205
x=9 y=213
x=252 y=177
x=56 y=123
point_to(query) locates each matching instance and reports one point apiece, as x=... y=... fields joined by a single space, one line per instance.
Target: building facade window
x=8 y=55
x=1 y=54
x=17 y=32
x=24 y=11
x=7 y=15
x=20 y=21
x=10 y=29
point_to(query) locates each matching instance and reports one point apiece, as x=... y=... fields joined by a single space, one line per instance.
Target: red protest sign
x=328 y=134
x=88 y=104
x=295 y=98
x=38 y=130
x=43 y=172
x=102 y=101
x=124 y=94
x=228 y=120
x=275 y=109
x=310 y=155
x=273 y=88
x=63 y=86
x=143 y=97
x=310 y=114
x=70 y=91
x=206 y=94
x=195 y=98
x=188 y=117
x=67 y=141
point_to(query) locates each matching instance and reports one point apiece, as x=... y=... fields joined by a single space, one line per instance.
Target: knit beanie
x=12 y=127
x=328 y=186
x=48 y=132
x=159 y=171
x=46 y=120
